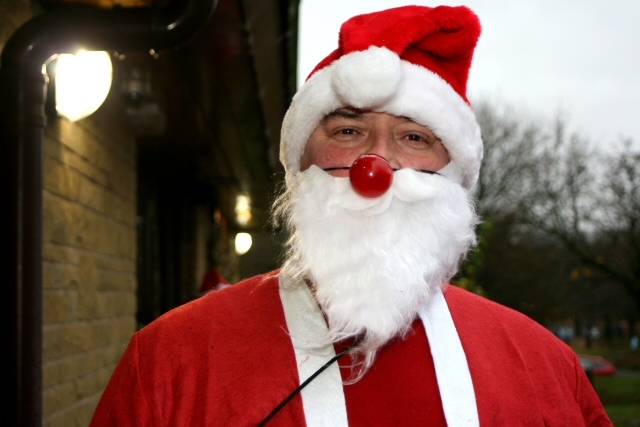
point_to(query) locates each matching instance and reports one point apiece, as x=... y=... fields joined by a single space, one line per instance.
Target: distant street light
x=82 y=83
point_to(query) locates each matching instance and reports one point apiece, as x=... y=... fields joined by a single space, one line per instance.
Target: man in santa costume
x=358 y=328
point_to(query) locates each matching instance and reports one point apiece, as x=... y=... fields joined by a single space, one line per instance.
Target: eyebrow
x=409 y=119
x=356 y=114
x=341 y=112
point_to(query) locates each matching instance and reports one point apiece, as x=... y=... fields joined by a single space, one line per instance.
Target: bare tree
x=620 y=230
x=541 y=179
x=512 y=147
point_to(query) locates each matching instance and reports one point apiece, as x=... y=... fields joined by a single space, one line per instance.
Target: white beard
x=374 y=262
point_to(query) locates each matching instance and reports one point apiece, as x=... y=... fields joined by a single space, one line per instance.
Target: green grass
x=621 y=399
x=618 y=390
x=620 y=395
x=624 y=415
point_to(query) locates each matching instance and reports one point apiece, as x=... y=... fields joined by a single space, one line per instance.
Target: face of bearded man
x=373 y=262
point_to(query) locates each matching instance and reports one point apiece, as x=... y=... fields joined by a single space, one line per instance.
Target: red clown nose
x=371 y=175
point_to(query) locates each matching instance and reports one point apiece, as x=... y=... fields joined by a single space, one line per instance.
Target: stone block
x=89 y=385
x=88 y=271
x=60 y=254
x=114 y=330
x=78 y=415
x=109 y=280
x=59 y=306
x=86 y=408
x=116 y=137
x=66 y=339
x=55 y=149
x=88 y=305
x=115 y=304
x=69 y=368
x=58 y=398
x=77 y=183
x=117 y=239
x=59 y=179
x=58 y=221
x=70 y=224
x=60 y=276
x=124 y=183
x=83 y=143
x=65 y=369
x=105 y=262
x=120 y=174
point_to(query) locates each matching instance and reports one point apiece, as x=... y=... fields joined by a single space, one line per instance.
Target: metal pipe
x=23 y=84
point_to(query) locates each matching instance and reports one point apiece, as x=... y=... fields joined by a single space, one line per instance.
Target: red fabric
x=396 y=394
x=222 y=360
x=441 y=39
x=522 y=374
x=226 y=360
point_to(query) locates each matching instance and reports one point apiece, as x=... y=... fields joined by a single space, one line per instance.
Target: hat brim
x=418 y=93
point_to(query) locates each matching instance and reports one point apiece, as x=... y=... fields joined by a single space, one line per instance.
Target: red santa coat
x=226 y=359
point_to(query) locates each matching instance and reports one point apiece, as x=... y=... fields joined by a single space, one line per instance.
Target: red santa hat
x=410 y=61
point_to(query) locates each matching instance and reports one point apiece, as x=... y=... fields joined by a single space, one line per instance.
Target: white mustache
x=408 y=186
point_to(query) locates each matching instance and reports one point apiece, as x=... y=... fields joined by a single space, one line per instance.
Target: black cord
x=307 y=381
x=395 y=169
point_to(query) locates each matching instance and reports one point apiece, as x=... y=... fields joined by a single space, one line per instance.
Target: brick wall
x=89 y=238
x=89 y=234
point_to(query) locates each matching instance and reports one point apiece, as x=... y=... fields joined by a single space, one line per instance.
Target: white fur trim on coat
x=323 y=399
x=371 y=79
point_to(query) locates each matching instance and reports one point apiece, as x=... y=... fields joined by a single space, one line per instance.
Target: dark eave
x=224 y=95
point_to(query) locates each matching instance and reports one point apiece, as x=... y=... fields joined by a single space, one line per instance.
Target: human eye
x=415 y=137
x=345 y=134
x=346 y=131
x=418 y=139
x=345 y=126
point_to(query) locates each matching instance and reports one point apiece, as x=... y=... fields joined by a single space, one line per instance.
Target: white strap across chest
x=450 y=362
x=323 y=399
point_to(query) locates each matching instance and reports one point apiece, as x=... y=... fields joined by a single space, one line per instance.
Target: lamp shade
x=82 y=81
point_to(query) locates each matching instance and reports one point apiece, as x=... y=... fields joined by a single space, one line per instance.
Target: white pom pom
x=367 y=79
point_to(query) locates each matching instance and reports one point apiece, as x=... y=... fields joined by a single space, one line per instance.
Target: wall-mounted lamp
x=82 y=83
x=243 y=243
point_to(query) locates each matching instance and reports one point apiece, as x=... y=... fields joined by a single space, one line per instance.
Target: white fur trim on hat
x=413 y=92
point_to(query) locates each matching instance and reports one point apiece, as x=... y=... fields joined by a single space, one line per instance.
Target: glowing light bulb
x=243 y=243
x=83 y=82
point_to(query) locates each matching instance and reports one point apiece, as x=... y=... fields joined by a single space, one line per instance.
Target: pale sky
x=578 y=57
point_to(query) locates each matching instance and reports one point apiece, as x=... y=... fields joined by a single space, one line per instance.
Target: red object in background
x=371 y=175
x=213 y=280
x=597 y=365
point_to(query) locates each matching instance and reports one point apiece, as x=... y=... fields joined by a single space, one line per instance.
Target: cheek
x=441 y=158
x=327 y=156
x=435 y=159
x=438 y=161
